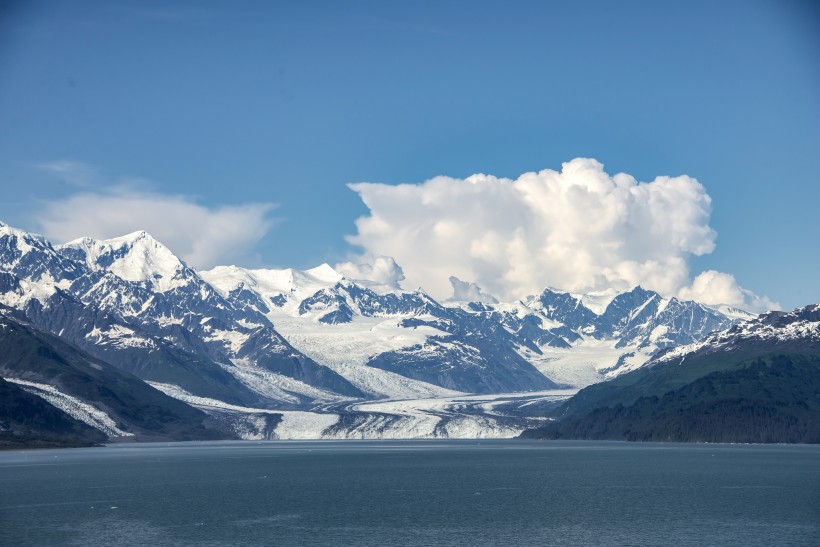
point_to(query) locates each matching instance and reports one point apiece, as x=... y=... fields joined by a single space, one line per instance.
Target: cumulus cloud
x=469 y=292
x=718 y=288
x=202 y=236
x=381 y=269
x=579 y=229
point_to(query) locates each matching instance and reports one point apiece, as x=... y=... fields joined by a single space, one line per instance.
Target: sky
x=668 y=144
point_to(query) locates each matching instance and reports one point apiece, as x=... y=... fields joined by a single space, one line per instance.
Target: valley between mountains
x=126 y=342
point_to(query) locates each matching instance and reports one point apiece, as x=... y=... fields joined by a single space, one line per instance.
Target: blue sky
x=266 y=111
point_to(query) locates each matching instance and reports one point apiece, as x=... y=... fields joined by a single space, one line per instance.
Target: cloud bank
x=202 y=236
x=381 y=269
x=579 y=229
x=715 y=288
x=469 y=292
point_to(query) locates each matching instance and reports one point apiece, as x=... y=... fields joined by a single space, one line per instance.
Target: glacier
x=287 y=353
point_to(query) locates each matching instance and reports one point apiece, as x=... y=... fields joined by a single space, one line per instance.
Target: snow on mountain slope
x=31 y=269
x=279 y=387
x=19 y=293
x=74 y=407
x=637 y=319
x=588 y=361
x=571 y=339
x=773 y=330
x=120 y=336
x=282 y=290
x=384 y=343
x=129 y=298
x=310 y=341
x=133 y=257
x=30 y=256
x=347 y=348
x=734 y=313
x=597 y=301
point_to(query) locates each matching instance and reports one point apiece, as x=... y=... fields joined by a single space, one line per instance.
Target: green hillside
x=764 y=400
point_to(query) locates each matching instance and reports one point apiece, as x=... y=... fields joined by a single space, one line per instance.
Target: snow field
x=74 y=407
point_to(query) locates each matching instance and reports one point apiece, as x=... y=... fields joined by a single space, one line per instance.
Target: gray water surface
x=412 y=493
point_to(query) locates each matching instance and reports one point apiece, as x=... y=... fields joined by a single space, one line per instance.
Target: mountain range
x=97 y=400
x=283 y=352
x=758 y=381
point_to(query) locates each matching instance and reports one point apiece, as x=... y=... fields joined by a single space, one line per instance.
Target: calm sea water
x=412 y=493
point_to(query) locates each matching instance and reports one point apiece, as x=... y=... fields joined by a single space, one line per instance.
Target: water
x=412 y=493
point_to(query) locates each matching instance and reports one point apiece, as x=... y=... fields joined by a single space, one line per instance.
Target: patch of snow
x=636 y=312
x=276 y=386
x=73 y=406
x=754 y=329
x=233 y=339
x=658 y=333
x=30 y=290
x=120 y=336
x=733 y=313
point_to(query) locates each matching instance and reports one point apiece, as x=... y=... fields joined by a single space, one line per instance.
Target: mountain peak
x=31 y=256
x=325 y=272
x=138 y=234
x=637 y=289
x=133 y=257
x=553 y=290
x=293 y=285
x=5 y=229
x=780 y=319
x=772 y=328
x=133 y=238
x=115 y=242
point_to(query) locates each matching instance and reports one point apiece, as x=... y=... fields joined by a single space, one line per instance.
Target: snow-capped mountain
x=797 y=330
x=636 y=318
x=31 y=254
x=234 y=338
x=132 y=302
x=757 y=381
x=465 y=346
x=134 y=257
x=98 y=395
x=419 y=338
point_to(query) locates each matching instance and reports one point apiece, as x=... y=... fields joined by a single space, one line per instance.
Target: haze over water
x=412 y=493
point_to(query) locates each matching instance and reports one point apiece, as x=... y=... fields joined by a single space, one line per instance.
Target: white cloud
x=469 y=292
x=202 y=236
x=718 y=288
x=579 y=229
x=381 y=269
